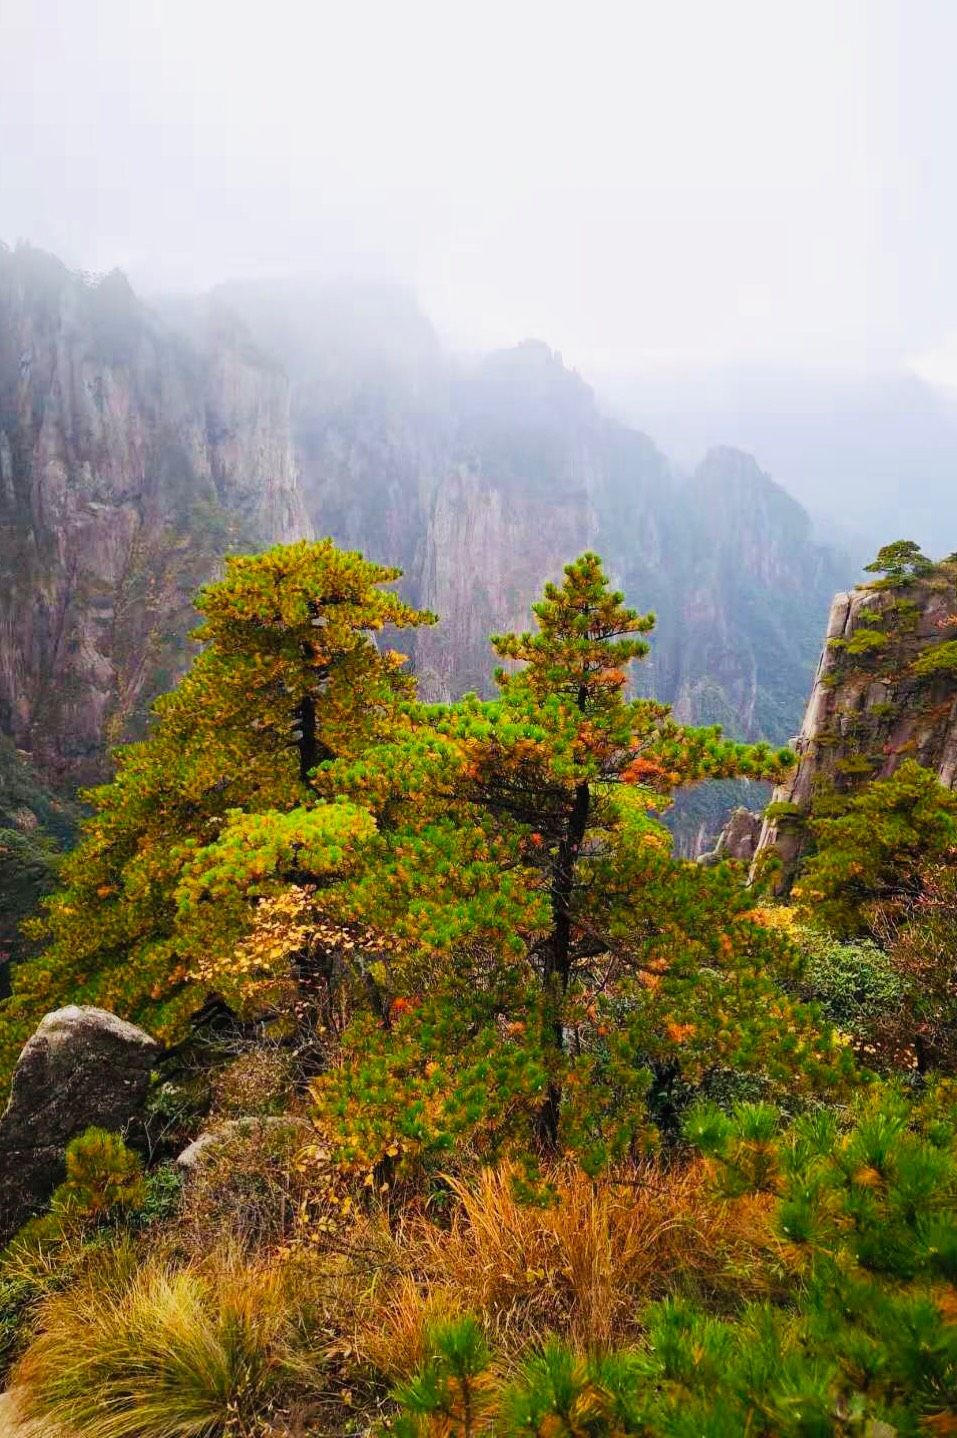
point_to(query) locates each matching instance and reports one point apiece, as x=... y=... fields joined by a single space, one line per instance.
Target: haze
x=685 y=198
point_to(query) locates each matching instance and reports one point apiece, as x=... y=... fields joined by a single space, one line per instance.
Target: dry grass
x=248 y=1188
x=198 y=1340
x=165 y=1353
x=581 y=1267
x=392 y=1325
x=259 y=1081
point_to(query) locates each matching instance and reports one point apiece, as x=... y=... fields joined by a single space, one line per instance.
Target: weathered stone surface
x=131 y=455
x=883 y=713
x=83 y=1066
x=738 y=839
x=193 y=1155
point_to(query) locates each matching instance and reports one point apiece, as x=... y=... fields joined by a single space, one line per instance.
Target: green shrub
x=452 y=1386
x=102 y=1173
x=855 y=982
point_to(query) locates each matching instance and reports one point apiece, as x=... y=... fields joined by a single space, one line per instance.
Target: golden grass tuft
x=581 y=1267
x=199 y=1340
x=393 y=1340
x=169 y=1353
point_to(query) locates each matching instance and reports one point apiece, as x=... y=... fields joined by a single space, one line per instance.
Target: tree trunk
x=311 y=749
x=558 y=956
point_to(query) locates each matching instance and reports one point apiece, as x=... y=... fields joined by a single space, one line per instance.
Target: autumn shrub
x=248 y=1186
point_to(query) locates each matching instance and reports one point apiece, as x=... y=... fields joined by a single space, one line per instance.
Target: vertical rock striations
x=130 y=458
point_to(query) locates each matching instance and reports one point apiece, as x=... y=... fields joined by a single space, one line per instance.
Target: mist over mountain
x=870 y=458
x=139 y=442
x=482 y=477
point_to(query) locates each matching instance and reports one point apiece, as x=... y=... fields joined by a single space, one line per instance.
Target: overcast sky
x=643 y=184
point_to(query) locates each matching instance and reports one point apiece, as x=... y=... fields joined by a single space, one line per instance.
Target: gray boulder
x=83 y=1066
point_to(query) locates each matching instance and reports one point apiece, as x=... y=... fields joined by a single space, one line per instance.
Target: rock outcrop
x=131 y=457
x=242 y=1129
x=738 y=839
x=885 y=690
x=83 y=1066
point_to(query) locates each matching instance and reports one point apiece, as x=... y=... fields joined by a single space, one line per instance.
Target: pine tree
x=900 y=563
x=871 y=846
x=289 y=676
x=518 y=846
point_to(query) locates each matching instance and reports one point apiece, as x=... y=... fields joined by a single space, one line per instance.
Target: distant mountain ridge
x=138 y=443
x=484 y=478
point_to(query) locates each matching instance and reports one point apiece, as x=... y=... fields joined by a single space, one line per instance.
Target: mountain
x=872 y=458
x=139 y=443
x=482 y=478
x=129 y=460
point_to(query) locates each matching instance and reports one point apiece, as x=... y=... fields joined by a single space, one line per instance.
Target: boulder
x=83 y=1066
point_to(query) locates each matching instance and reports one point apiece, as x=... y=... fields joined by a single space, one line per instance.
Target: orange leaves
x=679 y=1033
x=641 y=768
x=946 y=1301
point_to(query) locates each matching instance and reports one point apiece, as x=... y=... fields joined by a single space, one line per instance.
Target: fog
x=685 y=198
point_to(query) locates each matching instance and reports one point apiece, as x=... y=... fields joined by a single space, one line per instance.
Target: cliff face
x=515 y=500
x=885 y=690
x=481 y=480
x=130 y=458
x=135 y=448
x=754 y=584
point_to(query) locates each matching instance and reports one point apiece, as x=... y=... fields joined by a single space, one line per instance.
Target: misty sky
x=645 y=185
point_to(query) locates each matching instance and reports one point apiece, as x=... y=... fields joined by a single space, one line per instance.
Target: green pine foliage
x=289 y=675
x=870 y=846
x=900 y=563
x=517 y=842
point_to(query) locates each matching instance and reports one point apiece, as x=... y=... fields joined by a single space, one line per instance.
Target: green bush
x=855 y=982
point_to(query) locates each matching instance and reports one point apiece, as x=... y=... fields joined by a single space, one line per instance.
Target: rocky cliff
x=885 y=690
x=481 y=479
x=130 y=458
x=136 y=446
